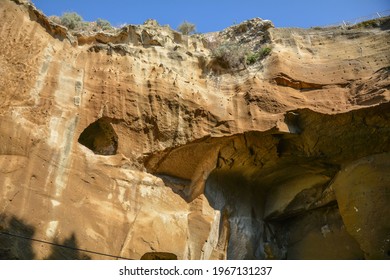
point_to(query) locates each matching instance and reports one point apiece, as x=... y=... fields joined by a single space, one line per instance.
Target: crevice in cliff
x=284 y=80
x=100 y=137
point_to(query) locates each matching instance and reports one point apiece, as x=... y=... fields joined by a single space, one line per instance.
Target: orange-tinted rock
x=135 y=142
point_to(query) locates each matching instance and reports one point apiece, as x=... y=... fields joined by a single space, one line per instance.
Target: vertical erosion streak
x=70 y=82
x=61 y=177
x=47 y=58
x=62 y=125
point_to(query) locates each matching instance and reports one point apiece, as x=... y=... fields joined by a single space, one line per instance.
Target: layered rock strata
x=141 y=143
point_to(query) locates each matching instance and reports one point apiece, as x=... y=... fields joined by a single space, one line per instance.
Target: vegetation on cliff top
x=75 y=22
x=187 y=28
x=235 y=56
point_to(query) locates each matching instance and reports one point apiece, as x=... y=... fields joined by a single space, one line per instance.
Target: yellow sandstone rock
x=145 y=142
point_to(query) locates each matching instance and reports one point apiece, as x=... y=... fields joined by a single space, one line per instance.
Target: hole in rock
x=258 y=221
x=159 y=256
x=100 y=137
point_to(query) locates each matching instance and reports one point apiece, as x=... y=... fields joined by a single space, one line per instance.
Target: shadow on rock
x=15 y=239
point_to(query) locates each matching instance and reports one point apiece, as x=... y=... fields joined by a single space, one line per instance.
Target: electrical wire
x=63 y=246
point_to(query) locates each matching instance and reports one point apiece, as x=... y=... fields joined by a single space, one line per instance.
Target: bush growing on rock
x=253 y=57
x=103 y=24
x=71 y=20
x=367 y=24
x=75 y=22
x=55 y=19
x=264 y=52
x=186 y=28
x=230 y=55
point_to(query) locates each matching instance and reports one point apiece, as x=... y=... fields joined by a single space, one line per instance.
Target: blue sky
x=218 y=14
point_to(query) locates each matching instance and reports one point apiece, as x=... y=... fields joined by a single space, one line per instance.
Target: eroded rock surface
x=138 y=144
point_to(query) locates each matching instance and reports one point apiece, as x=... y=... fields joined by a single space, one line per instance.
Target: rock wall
x=141 y=142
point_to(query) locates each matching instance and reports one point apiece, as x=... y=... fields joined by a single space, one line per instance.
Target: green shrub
x=253 y=57
x=264 y=52
x=367 y=24
x=186 y=28
x=103 y=24
x=71 y=20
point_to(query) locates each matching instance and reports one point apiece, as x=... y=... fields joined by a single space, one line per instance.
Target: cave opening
x=159 y=256
x=289 y=195
x=100 y=137
x=276 y=216
x=241 y=207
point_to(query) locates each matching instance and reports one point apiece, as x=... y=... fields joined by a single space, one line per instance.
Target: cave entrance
x=159 y=256
x=284 y=212
x=240 y=203
x=100 y=137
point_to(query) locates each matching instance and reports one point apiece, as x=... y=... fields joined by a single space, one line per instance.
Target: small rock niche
x=100 y=137
x=159 y=256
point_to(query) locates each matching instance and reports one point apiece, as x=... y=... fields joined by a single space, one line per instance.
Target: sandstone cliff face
x=140 y=142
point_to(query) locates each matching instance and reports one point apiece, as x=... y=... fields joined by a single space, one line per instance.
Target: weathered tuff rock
x=137 y=144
